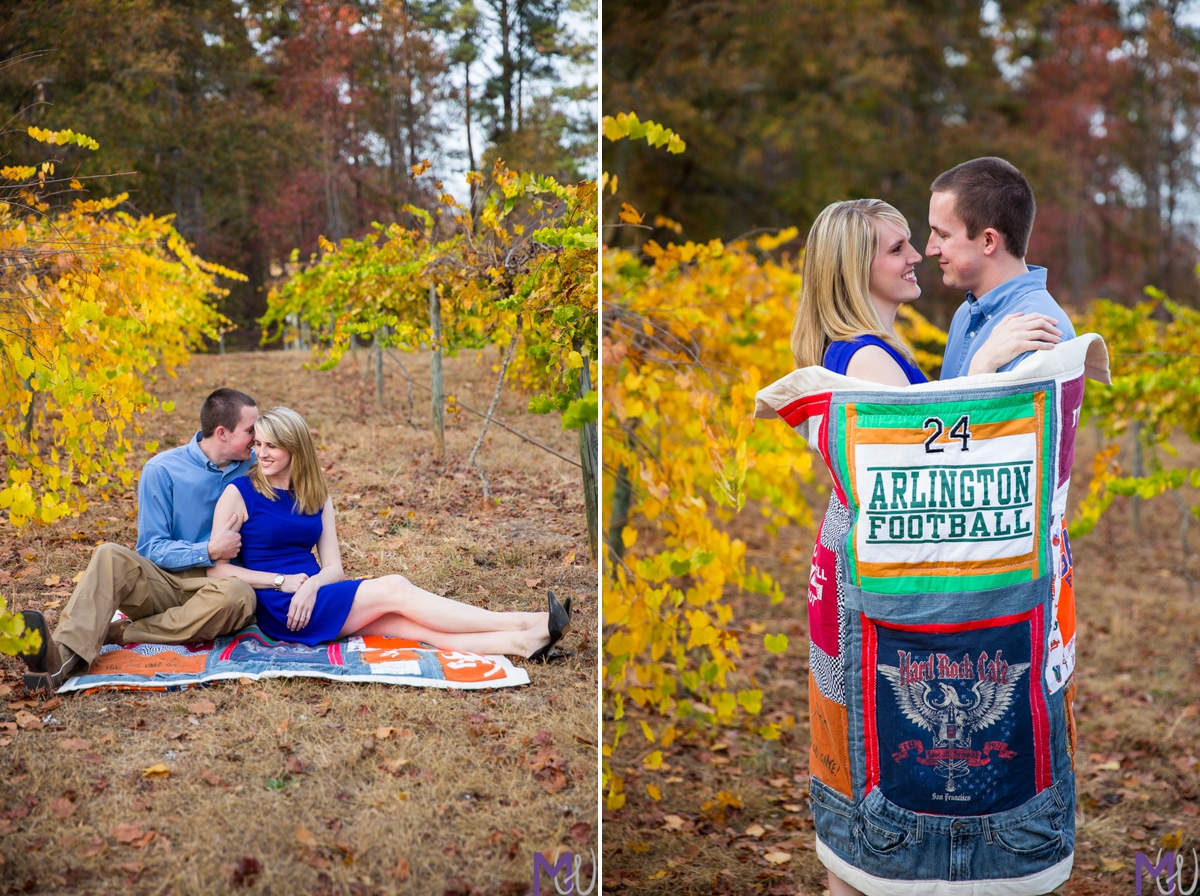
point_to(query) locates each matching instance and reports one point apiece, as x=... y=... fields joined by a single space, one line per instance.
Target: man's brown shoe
x=50 y=665
x=116 y=632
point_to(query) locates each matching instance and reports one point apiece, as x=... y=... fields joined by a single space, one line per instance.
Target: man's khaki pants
x=166 y=608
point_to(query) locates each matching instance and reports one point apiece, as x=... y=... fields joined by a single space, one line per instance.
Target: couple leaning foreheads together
x=227 y=525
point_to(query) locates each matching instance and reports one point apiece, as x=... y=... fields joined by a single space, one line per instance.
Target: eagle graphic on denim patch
x=953 y=717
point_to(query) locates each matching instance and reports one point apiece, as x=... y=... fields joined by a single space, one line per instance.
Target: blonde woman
x=282 y=508
x=859 y=268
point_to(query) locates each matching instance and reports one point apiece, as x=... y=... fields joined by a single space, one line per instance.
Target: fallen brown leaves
x=242 y=873
x=131 y=834
x=202 y=708
x=28 y=721
x=305 y=837
x=394 y=766
x=549 y=769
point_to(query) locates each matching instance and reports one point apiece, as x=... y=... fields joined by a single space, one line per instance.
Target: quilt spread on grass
x=251 y=654
x=941 y=600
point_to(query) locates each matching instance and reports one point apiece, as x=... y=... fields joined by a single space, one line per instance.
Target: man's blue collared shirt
x=977 y=317
x=177 y=495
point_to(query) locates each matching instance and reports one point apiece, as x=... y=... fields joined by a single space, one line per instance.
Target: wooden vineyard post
x=473 y=460
x=588 y=456
x=379 y=366
x=1135 y=505
x=622 y=491
x=435 y=372
x=29 y=414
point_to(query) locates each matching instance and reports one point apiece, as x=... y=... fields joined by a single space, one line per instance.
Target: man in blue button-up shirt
x=162 y=588
x=980 y=218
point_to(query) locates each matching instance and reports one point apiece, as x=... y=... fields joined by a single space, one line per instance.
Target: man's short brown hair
x=223 y=408
x=991 y=192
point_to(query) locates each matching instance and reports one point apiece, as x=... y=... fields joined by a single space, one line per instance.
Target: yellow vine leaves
x=523 y=267
x=627 y=125
x=691 y=332
x=1154 y=351
x=689 y=339
x=14 y=637
x=92 y=300
x=62 y=138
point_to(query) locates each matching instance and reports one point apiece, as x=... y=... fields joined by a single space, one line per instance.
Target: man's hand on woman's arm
x=1015 y=335
x=225 y=543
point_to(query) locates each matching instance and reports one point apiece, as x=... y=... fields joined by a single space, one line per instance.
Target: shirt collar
x=999 y=296
x=197 y=456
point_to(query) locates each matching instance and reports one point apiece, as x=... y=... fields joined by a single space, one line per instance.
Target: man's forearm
x=175 y=555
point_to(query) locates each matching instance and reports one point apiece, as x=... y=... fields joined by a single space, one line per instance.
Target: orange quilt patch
x=829 y=756
x=130 y=662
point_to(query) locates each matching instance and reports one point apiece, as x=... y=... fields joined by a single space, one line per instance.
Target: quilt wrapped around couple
x=942 y=625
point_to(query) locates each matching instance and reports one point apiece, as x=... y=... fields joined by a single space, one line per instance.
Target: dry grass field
x=299 y=786
x=1137 y=711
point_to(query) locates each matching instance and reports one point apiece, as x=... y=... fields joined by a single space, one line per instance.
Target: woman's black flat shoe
x=559 y=625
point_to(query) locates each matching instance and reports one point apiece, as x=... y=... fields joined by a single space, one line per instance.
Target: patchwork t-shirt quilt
x=251 y=654
x=941 y=593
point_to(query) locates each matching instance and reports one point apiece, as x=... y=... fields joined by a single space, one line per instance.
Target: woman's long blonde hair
x=835 y=295
x=287 y=429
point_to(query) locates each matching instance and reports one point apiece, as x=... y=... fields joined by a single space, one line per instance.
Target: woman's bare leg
x=397 y=595
x=838 y=887
x=519 y=643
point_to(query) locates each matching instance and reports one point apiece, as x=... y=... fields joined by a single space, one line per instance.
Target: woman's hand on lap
x=301 y=607
x=291 y=584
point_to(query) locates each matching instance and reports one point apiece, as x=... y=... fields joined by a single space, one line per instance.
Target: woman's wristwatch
x=278 y=582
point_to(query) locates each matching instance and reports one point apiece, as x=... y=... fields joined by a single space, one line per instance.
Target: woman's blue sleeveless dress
x=277 y=538
x=838 y=355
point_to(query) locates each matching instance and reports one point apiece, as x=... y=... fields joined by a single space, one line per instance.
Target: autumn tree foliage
x=789 y=107
x=1113 y=93
x=264 y=125
x=91 y=299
